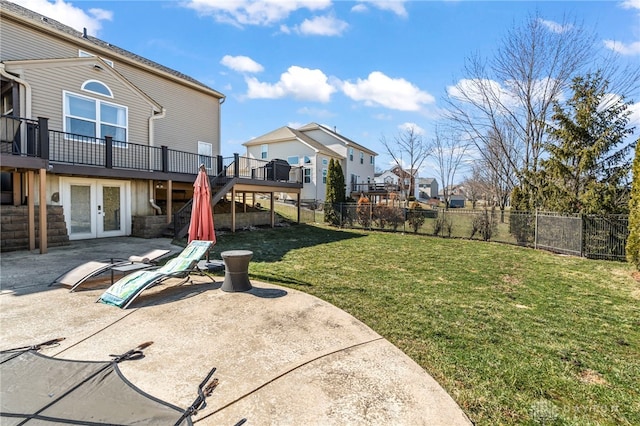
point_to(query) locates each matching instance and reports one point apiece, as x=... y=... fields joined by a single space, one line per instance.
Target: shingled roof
x=101 y=45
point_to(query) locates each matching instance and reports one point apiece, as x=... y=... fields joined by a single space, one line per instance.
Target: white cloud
x=322 y=26
x=395 y=6
x=622 y=48
x=314 y=112
x=298 y=83
x=631 y=4
x=253 y=12
x=384 y=117
x=481 y=92
x=360 y=8
x=241 y=64
x=381 y=90
x=554 y=26
x=408 y=126
x=634 y=118
x=69 y=15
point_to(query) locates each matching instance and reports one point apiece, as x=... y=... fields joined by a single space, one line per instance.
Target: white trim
x=85 y=54
x=84 y=87
x=97 y=121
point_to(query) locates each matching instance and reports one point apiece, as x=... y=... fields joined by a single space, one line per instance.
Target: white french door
x=96 y=208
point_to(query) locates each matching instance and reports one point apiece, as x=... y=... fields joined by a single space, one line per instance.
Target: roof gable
x=89 y=62
x=337 y=136
x=96 y=46
x=287 y=134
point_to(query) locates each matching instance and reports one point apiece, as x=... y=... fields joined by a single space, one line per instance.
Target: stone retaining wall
x=14 y=227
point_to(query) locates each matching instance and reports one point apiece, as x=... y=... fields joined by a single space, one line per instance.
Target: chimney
x=84 y=33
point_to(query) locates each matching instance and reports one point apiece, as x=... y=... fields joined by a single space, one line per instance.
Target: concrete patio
x=282 y=356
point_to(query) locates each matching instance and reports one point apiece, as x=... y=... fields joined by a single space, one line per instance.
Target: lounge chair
x=81 y=273
x=125 y=290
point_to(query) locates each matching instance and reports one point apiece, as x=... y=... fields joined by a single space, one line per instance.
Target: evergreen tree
x=633 y=242
x=588 y=165
x=335 y=192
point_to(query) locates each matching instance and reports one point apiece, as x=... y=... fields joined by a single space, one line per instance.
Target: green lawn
x=516 y=336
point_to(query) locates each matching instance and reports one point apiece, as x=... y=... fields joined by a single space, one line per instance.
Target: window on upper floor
x=361 y=157
x=97 y=87
x=94 y=118
x=264 y=149
x=205 y=153
x=307 y=175
x=293 y=160
x=307 y=160
x=350 y=154
x=325 y=162
x=371 y=160
x=324 y=175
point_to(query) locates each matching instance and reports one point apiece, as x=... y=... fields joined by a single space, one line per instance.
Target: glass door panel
x=80 y=210
x=111 y=208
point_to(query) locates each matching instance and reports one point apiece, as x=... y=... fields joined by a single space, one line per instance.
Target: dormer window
x=97 y=87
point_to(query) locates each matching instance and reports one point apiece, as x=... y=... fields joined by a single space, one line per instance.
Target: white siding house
x=311 y=147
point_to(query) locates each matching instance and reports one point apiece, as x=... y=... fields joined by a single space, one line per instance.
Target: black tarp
x=40 y=390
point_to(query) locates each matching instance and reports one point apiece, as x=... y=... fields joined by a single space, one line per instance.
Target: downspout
x=153 y=117
x=152 y=201
x=27 y=88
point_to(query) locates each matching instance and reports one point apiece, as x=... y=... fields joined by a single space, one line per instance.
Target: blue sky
x=367 y=68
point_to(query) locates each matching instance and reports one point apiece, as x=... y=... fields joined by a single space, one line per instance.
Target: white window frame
x=264 y=151
x=293 y=163
x=361 y=157
x=350 y=154
x=97 y=122
x=325 y=161
x=84 y=88
x=371 y=160
x=324 y=176
x=205 y=154
x=307 y=175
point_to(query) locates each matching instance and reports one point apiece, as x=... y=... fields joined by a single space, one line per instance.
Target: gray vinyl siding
x=191 y=115
x=49 y=83
x=22 y=42
x=197 y=113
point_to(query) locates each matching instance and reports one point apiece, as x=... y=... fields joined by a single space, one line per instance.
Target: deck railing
x=24 y=137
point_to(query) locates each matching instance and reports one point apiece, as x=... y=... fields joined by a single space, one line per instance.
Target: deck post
x=43 y=211
x=31 y=215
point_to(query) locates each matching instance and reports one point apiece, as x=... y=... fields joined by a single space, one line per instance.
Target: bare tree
x=450 y=151
x=515 y=90
x=410 y=146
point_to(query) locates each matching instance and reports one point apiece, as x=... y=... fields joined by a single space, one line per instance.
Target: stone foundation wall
x=156 y=226
x=14 y=227
x=148 y=226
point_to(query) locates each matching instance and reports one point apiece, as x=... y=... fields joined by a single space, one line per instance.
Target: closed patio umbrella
x=201 y=226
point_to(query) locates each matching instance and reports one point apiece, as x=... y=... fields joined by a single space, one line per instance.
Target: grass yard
x=516 y=336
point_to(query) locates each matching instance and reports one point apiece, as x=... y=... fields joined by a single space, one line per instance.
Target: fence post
x=535 y=230
x=108 y=152
x=43 y=137
x=165 y=158
x=582 y=223
x=236 y=165
x=219 y=164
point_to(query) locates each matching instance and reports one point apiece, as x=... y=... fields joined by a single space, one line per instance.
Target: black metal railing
x=373 y=187
x=21 y=136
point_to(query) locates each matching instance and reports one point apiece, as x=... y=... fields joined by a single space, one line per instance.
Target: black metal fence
x=591 y=236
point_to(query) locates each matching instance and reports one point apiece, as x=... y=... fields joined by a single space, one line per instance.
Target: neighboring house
x=310 y=148
x=427 y=188
x=456 y=194
x=105 y=134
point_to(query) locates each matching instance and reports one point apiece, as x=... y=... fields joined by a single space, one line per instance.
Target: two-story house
x=98 y=133
x=311 y=147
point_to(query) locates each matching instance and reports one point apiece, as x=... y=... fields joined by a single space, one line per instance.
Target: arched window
x=97 y=87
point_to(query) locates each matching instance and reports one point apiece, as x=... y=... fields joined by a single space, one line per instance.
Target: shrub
x=484 y=224
x=363 y=212
x=415 y=217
